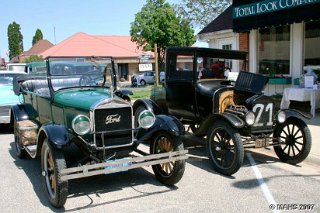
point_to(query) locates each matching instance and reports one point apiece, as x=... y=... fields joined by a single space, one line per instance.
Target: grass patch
x=141 y=94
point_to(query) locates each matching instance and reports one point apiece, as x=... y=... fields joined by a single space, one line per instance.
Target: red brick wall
x=244 y=46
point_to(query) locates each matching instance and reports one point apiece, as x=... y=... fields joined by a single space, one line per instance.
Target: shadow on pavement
x=89 y=187
x=198 y=157
x=6 y=129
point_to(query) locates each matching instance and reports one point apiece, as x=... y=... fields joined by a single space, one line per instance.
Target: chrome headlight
x=250 y=118
x=146 y=119
x=281 y=117
x=81 y=124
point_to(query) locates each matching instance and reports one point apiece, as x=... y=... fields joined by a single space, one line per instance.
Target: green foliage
x=201 y=12
x=15 y=40
x=33 y=58
x=157 y=23
x=38 y=36
x=140 y=94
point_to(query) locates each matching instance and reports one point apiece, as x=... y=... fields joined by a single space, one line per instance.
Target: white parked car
x=147 y=77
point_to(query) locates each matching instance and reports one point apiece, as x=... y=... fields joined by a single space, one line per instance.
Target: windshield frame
x=107 y=72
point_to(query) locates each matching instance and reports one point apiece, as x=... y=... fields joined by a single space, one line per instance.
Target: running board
x=123 y=164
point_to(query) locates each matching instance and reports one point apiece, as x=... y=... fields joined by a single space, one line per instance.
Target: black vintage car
x=73 y=106
x=229 y=116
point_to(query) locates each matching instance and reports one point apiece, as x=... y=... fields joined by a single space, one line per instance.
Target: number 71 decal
x=258 y=109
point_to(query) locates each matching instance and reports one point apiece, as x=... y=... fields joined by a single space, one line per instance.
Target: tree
x=38 y=36
x=157 y=23
x=201 y=12
x=33 y=58
x=14 y=40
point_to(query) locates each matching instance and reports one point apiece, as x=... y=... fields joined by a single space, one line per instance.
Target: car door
x=149 y=77
x=179 y=85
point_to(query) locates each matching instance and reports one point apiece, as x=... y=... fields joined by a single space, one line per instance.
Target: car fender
x=234 y=120
x=57 y=135
x=294 y=113
x=149 y=105
x=164 y=123
x=124 y=94
x=22 y=112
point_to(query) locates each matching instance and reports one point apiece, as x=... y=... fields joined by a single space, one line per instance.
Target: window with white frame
x=274 y=51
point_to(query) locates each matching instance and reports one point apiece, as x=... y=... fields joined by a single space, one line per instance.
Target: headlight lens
x=250 y=118
x=81 y=124
x=146 y=119
x=281 y=117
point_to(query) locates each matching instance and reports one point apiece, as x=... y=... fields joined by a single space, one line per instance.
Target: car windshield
x=7 y=79
x=218 y=68
x=80 y=72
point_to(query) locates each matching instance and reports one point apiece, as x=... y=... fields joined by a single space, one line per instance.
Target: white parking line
x=262 y=183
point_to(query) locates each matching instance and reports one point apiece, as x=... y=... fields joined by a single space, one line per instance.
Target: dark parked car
x=73 y=107
x=228 y=116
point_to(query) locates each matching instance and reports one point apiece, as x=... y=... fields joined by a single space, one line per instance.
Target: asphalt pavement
x=314 y=126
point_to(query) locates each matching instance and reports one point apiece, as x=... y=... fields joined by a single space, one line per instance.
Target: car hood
x=7 y=96
x=81 y=98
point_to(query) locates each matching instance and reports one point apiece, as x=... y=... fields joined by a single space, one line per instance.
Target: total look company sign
x=267 y=6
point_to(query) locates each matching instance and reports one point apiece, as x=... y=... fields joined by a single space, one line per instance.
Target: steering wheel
x=85 y=80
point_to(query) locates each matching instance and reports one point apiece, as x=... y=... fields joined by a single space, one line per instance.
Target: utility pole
x=156 y=64
x=54 y=34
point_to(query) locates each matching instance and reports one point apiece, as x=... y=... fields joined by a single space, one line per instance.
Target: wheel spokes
x=222 y=147
x=51 y=174
x=165 y=145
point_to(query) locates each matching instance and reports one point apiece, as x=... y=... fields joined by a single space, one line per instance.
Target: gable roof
x=39 y=47
x=36 y=49
x=82 y=44
x=222 y=22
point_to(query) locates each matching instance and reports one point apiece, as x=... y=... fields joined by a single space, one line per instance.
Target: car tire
x=143 y=83
x=20 y=151
x=297 y=138
x=136 y=115
x=167 y=173
x=226 y=158
x=52 y=162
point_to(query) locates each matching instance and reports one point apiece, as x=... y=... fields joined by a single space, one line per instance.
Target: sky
x=60 y=19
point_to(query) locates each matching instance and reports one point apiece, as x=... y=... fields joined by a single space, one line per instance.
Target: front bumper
x=121 y=165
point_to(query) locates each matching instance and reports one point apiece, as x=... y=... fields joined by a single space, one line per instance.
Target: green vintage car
x=74 y=104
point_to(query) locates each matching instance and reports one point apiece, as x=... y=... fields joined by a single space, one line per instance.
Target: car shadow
x=198 y=157
x=6 y=129
x=90 y=187
x=255 y=183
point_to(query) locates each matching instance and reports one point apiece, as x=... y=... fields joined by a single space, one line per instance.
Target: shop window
x=311 y=46
x=274 y=51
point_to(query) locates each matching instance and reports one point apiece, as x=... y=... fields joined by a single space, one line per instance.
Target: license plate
x=261 y=143
x=117 y=167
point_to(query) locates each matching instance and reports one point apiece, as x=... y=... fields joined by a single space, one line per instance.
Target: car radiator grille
x=4 y=110
x=114 y=125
